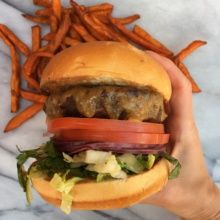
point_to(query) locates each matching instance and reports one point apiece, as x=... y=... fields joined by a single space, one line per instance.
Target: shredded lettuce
x=66 y=203
x=64 y=186
x=150 y=161
x=100 y=177
x=28 y=190
x=130 y=162
x=67 y=158
x=91 y=157
x=65 y=171
x=110 y=166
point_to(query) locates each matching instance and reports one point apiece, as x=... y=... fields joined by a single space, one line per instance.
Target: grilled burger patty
x=114 y=102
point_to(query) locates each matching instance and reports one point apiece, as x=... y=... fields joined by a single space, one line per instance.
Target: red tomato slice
x=113 y=136
x=59 y=124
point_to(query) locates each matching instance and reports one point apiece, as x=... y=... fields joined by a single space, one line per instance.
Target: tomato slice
x=59 y=124
x=113 y=136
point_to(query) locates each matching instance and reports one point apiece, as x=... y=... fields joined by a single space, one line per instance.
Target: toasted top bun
x=105 y=63
x=90 y=195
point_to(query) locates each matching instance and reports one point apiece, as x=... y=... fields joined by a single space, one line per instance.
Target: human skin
x=193 y=195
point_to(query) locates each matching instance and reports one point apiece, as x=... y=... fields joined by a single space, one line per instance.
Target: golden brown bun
x=109 y=194
x=108 y=63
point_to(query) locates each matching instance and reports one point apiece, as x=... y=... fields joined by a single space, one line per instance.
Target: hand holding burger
x=193 y=195
x=105 y=111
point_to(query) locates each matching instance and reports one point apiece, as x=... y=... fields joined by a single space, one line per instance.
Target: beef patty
x=114 y=102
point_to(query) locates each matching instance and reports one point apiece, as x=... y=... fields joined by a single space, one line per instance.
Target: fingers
x=181 y=100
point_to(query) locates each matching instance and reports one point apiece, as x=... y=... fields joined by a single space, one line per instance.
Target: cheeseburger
x=105 y=113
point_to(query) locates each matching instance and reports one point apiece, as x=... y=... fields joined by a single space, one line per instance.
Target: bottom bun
x=90 y=195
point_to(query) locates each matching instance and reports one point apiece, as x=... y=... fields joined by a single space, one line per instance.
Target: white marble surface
x=176 y=23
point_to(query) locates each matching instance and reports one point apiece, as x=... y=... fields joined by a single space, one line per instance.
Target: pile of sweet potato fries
x=68 y=27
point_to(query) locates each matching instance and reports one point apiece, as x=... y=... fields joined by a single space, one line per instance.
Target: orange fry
x=42 y=64
x=73 y=34
x=75 y=19
x=36 y=37
x=62 y=31
x=44 y=12
x=23 y=116
x=102 y=16
x=15 y=40
x=111 y=34
x=44 y=3
x=33 y=97
x=70 y=41
x=15 y=79
x=98 y=30
x=100 y=7
x=147 y=37
x=32 y=59
x=183 y=68
x=84 y=21
x=57 y=8
x=32 y=82
x=129 y=19
x=81 y=30
x=53 y=23
x=49 y=37
x=135 y=38
x=189 y=49
x=37 y=19
x=44 y=48
x=63 y=46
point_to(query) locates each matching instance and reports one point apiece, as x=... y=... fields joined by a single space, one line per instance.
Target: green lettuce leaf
x=64 y=185
x=174 y=173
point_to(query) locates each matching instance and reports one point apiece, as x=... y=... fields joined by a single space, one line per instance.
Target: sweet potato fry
x=129 y=19
x=15 y=78
x=183 y=68
x=61 y=33
x=101 y=33
x=6 y=40
x=49 y=37
x=44 y=48
x=75 y=19
x=147 y=37
x=81 y=30
x=102 y=16
x=135 y=38
x=33 y=97
x=36 y=37
x=100 y=7
x=32 y=59
x=189 y=49
x=57 y=8
x=44 y=12
x=63 y=46
x=82 y=20
x=42 y=64
x=32 y=82
x=23 y=116
x=83 y=8
x=68 y=41
x=37 y=19
x=73 y=34
x=111 y=34
x=15 y=40
x=44 y=3
x=53 y=23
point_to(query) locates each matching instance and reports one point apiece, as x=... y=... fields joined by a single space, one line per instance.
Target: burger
x=105 y=119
